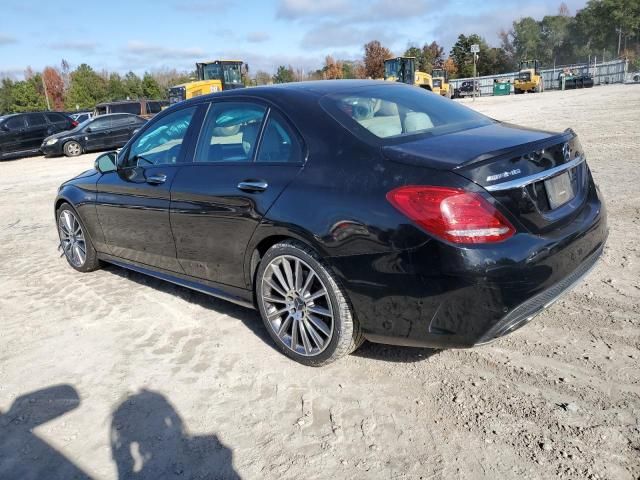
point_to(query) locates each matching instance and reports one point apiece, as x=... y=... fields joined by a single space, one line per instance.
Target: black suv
x=21 y=134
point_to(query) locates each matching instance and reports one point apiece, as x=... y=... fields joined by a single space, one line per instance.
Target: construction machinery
x=213 y=76
x=440 y=78
x=529 y=78
x=403 y=69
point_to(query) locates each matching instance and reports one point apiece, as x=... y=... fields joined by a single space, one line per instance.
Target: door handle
x=157 y=179
x=253 y=186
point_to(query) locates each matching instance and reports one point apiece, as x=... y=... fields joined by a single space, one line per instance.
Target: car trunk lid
x=539 y=177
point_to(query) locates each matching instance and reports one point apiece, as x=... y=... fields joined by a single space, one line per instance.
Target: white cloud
x=293 y=9
x=7 y=39
x=79 y=46
x=154 y=51
x=258 y=37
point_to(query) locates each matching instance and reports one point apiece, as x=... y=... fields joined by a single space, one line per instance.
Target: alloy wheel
x=72 y=238
x=73 y=149
x=297 y=305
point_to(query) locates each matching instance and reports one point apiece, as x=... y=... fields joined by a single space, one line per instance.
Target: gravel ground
x=115 y=375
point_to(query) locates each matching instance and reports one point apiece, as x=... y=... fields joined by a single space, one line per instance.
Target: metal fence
x=603 y=73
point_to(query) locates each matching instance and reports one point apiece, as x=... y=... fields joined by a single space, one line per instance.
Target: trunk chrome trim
x=536 y=177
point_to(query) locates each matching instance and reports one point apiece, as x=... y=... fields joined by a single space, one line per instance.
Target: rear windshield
x=394 y=112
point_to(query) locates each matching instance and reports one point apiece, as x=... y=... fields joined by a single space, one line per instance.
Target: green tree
x=86 y=88
x=284 y=75
x=133 y=86
x=6 y=95
x=28 y=95
x=115 y=87
x=150 y=87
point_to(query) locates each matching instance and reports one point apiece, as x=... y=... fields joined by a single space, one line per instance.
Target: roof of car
x=281 y=91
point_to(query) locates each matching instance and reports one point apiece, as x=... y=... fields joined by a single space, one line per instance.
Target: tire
x=327 y=321
x=73 y=237
x=72 y=149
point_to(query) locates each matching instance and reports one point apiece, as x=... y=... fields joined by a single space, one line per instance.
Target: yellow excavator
x=213 y=76
x=529 y=78
x=440 y=78
x=403 y=69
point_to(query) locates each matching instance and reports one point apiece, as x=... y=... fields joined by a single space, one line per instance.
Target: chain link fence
x=605 y=73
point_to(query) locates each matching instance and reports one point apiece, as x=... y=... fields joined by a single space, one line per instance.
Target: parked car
x=81 y=116
x=345 y=211
x=21 y=134
x=143 y=108
x=105 y=132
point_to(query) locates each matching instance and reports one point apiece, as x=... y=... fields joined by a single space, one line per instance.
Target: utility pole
x=475 y=48
x=46 y=94
x=619 y=30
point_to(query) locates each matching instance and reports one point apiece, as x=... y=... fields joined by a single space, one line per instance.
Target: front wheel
x=72 y=149
x=75 y=242
x=303 y=306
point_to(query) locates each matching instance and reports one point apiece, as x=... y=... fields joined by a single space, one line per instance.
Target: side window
x=230 y=132
x=121 y=121
x=15 y=123
x=35 y=119
x=161 y=143
x=55 y=117
x=279 y=142
x=100 y=124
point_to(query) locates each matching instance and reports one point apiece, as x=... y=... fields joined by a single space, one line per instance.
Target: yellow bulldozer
x=213 y=76
x=403 y=69
x=441 y=86
x=529 y=78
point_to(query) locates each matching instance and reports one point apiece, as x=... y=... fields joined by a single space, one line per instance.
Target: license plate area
x=559 y=190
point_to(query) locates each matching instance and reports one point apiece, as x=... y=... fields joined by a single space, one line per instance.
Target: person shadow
x=148 y=440
x=24 y=455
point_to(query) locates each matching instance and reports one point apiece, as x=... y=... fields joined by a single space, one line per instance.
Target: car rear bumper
x=441 y=296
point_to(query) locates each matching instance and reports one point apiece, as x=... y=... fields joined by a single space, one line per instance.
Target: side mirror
x=88 y=130
x=107 y=162
x=4 y=128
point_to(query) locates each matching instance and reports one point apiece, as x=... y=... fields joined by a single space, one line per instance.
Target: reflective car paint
x=406 y=287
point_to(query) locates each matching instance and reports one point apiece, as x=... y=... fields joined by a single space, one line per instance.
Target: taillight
x=452 y=214
x=74 y=124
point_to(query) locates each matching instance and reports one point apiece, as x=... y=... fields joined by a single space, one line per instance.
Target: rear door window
x=280 y=144
x=230 y=132
x=122 y=120
x=55 y=117
x=100 y=124
x=35 y=119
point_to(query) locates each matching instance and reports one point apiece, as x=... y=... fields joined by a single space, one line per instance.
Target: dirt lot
x=111 y=374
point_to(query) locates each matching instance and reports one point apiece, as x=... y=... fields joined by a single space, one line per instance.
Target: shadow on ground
x=251 y=318
x=393 y=353
x=148 y=440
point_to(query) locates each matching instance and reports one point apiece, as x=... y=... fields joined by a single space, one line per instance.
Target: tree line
x=604 y=29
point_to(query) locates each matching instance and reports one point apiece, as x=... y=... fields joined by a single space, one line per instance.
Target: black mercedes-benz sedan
x=344 y=211
x=104 y=132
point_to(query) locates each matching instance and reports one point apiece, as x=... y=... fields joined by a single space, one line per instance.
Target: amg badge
x=499 y=176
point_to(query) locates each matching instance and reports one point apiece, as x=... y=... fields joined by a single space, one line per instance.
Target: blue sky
x=149 y=35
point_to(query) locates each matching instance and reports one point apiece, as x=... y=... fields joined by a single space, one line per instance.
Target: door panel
x=213 y=220
x=96 y=139
x=134 y=215
x=133 y=202
x=37 y=130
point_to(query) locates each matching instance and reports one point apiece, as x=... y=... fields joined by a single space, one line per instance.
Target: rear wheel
x=75 y=242
x=303 y=306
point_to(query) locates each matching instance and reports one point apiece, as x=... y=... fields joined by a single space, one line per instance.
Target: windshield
x=213 y=71
x=394 y=112
x=232 y=73
x=390 y=68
